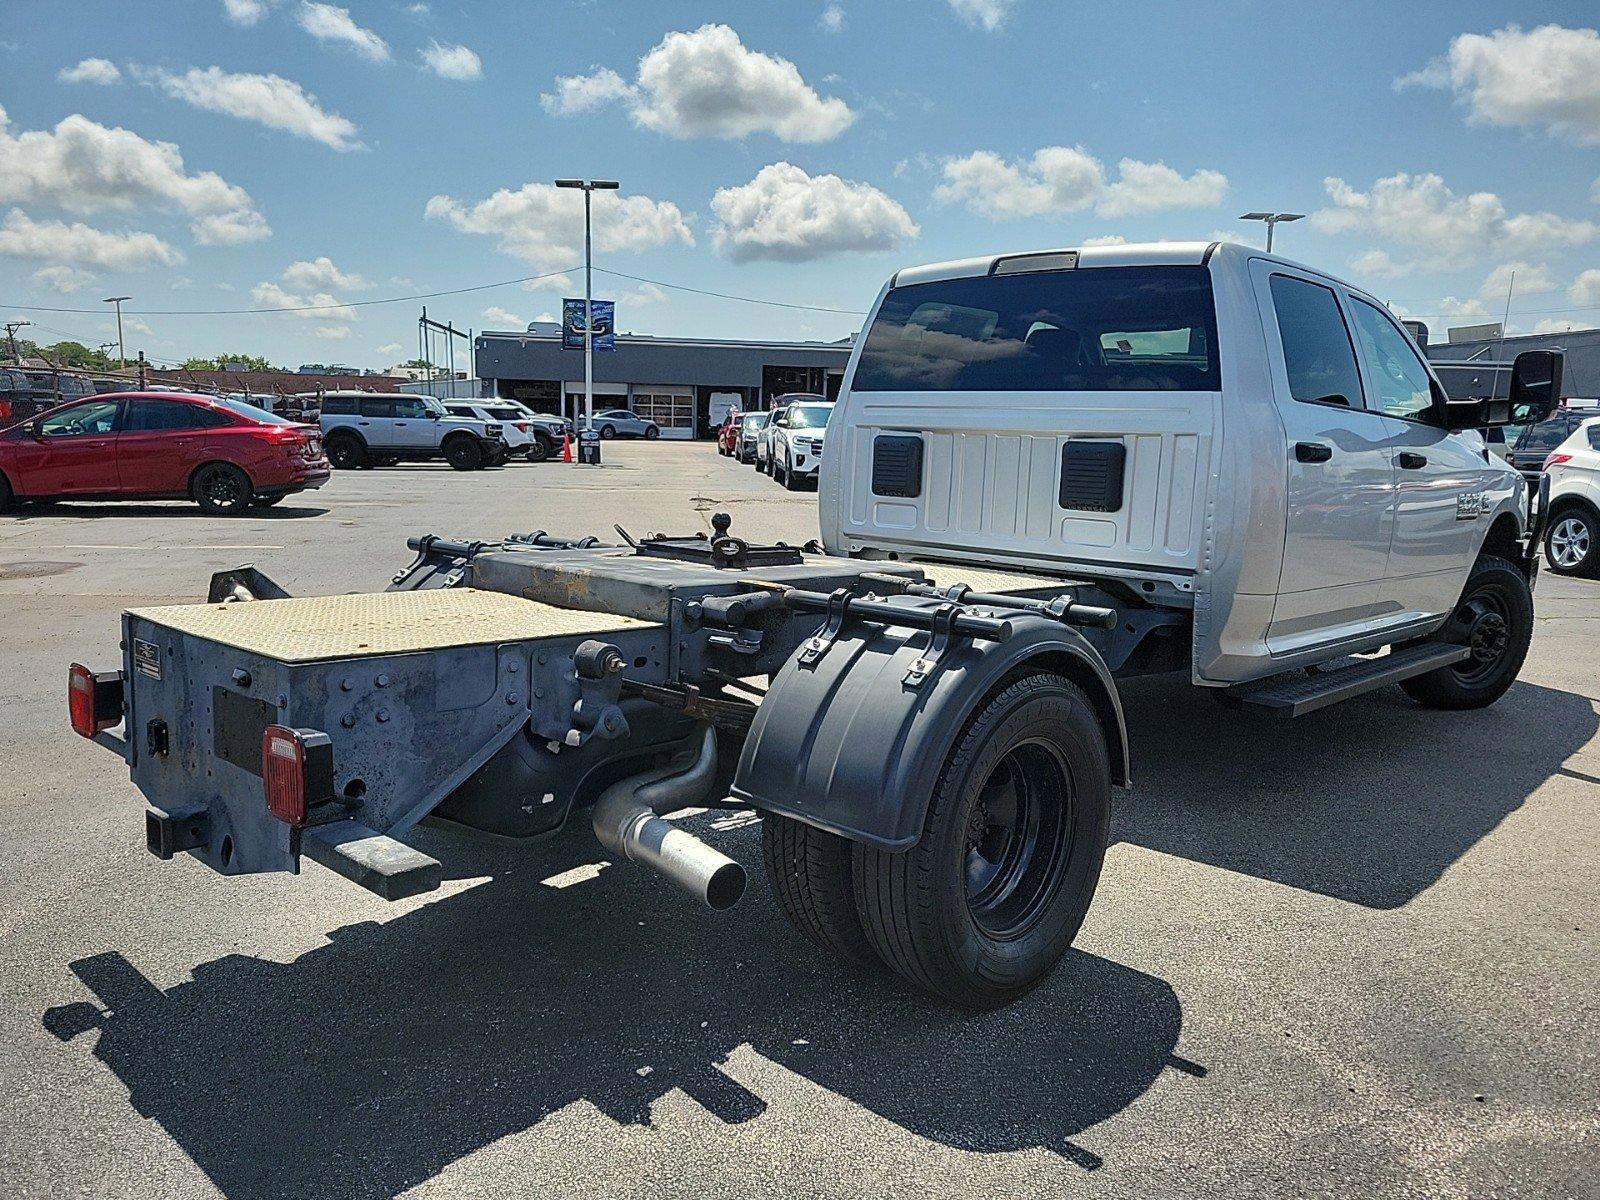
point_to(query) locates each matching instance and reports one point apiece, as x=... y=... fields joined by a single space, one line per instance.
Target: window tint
x=377 y=408
x=506 y=414
x=339 y=406
x=410 y=409
x=1547 y=434
x=1403 y=386
x=1317 y=353
x=1090 y=329
x=149 y=416
x=96 y=416
x=809 y=416
x=1594 y=436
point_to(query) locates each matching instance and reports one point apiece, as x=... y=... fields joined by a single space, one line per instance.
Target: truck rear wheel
x=1495 y=619
x=983 y=906
x=810 y=873
x=346 y=452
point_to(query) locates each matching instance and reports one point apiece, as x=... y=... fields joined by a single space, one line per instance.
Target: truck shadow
x=367 y=1065
x=1370 y=801
x=56 y=510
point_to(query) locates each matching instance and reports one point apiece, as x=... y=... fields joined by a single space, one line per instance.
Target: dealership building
x=684 y=385
x=1581 y=347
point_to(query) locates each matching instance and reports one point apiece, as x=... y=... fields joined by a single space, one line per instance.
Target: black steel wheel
x=464 y=452
x=346 y=452
x=222 y=488
x=1494 y=620
x=991 y=896
x=1572 y=543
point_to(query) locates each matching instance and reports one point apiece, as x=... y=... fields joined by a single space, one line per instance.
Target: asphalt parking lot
x=1350 y=955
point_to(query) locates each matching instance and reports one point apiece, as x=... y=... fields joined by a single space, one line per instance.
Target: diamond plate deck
x=317 y=628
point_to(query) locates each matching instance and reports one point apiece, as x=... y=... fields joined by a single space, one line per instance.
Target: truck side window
x=1404 y=387
x=1317 y=352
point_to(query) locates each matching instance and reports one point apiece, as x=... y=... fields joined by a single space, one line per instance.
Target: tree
x=420 y=364
x=251 y=362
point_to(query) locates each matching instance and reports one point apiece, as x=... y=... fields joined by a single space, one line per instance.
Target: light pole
x=122 y=353
x=1272 y=220
x=589 y=187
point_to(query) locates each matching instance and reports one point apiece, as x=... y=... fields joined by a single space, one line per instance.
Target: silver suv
x=370 y=429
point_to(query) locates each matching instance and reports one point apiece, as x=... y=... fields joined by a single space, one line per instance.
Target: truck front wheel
x=1494 y=619
x=464 y=453
x=810 y=873
x=983 y=906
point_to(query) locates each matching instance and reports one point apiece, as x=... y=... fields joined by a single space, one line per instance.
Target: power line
x=678 y=287
x=294 y=308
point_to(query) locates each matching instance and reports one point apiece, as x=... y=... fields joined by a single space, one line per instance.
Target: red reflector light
x=1556 y=460
x=94 y=701
x=297 y=769
x=522 y=425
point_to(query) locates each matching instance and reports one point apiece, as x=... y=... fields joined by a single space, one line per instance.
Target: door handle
x=1411 y=461
x=1312 y=452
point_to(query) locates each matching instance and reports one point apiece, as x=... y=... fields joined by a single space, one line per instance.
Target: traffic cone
x=566 y=446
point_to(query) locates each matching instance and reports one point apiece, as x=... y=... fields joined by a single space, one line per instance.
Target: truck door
x=1340 y=481
x=1436 y=473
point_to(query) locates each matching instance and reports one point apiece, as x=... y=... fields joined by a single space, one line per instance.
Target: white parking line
x=127 y=546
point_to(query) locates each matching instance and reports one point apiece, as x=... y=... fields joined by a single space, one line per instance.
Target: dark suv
x=25 y=392
x=1534 y=442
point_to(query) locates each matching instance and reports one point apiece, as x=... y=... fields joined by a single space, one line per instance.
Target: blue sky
x=277 y=153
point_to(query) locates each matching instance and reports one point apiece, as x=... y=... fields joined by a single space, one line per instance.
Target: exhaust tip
x=725 y=886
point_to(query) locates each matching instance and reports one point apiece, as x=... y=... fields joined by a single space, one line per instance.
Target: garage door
x=672 y=411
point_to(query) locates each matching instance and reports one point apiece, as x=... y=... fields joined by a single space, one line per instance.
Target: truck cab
x=1201 y=425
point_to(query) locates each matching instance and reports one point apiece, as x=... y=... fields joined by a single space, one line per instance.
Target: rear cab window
x=1085 y=329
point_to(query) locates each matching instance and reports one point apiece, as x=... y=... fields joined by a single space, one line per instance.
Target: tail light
x=522 y=426
x=94 y=700
x=297 y=768
x=1555 y=460
x=5 y=410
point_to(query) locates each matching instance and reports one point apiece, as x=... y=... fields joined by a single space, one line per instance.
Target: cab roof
x=1127 y=254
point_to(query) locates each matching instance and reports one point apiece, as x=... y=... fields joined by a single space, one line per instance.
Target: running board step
x=1296 y=694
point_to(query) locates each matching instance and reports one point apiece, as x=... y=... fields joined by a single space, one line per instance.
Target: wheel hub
x=1569 y=542
x=1488 y=636
x=1018 y=832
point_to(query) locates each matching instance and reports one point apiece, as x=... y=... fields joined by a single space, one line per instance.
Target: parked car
x=1572 y=535
x=373 y=429
x=728 y=432
x=620 y=422
x=15 y=391
x=763 y=457
x=172 y=446
x=745 y=448
x=1534 y=442
x=796 y=443
x=28 y=391
x=530 y=435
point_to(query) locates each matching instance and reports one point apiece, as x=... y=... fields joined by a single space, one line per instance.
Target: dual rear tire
x=990 y=897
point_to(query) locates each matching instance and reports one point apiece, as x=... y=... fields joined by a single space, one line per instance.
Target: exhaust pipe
x=627 y=822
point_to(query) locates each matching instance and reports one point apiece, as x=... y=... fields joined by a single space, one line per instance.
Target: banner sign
x=605 y=325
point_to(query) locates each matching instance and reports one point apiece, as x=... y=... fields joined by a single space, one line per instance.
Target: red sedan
x=222 y=454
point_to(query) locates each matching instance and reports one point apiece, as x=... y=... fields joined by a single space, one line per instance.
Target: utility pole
x=589 y=187
x=1272 y=220
x=11 y=336
x=122 y=353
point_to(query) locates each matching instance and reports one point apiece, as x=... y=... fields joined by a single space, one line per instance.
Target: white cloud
x=832 y=18
x=1108 y=239
x=86 y=167
x=329 y=23
x=983 y=14
x=315 y=306
x=1377 y=264
x=269 y=100
x=1422 y=212
x=787 y=215
x=709 y=84
x=452 y=62
x=245 y=12
x=1528 y=279
x=1559 y=325
x=1585 y=289
x=82 y=245
x=321 y=273
x=545 y=318
x=332 y=333
x=62 y=278
x=543 y=224
x=645 y=293
x=1549 y=76
x=390 y=347
x=501 y=316
x=91 y=70
x=1063 y=179
x=1466 y=312
x=180 y=283
x=231 y=229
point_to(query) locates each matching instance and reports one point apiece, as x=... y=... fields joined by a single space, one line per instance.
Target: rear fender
x=847 y=745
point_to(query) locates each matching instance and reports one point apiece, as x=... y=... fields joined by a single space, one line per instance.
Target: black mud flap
x=852 y=739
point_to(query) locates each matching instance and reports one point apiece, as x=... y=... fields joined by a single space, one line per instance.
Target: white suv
x=797 y=442
x=1572 y=538
x=530 y=435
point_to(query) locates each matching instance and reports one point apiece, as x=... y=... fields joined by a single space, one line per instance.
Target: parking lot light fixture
x=1272 y=219
x=122 y=353
x=588 y=187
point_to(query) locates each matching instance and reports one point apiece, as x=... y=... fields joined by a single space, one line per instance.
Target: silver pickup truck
x=1046 y=472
